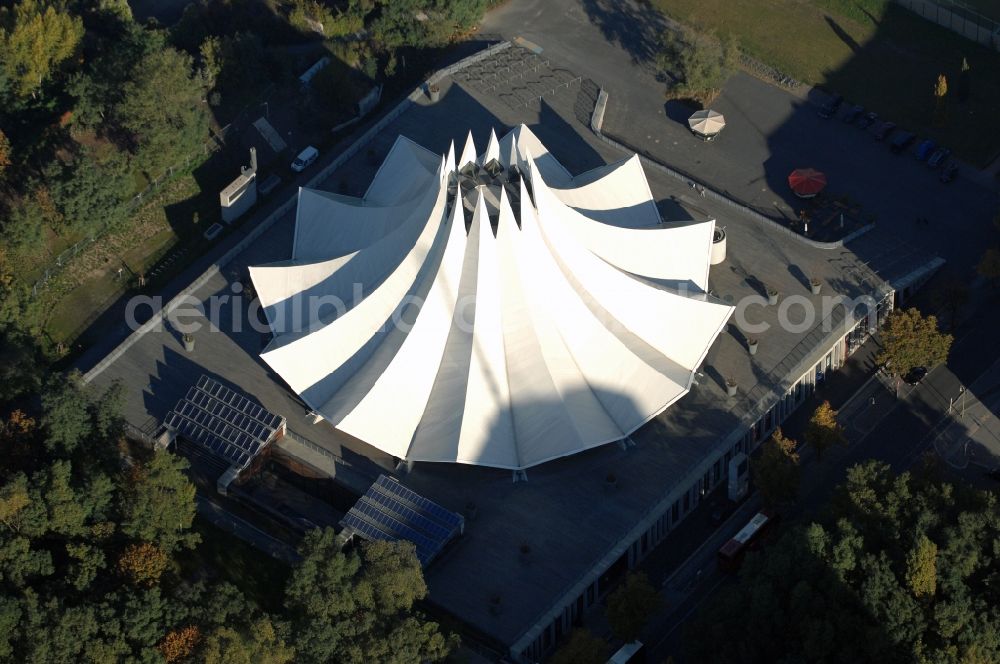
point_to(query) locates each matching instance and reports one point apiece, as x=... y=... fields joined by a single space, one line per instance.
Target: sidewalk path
x=971 y=432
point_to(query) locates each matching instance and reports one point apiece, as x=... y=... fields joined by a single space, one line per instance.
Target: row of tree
x=92 y=533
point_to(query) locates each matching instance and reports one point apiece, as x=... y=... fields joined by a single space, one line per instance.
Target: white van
x=305 y=158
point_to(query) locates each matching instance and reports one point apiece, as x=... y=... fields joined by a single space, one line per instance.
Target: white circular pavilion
x=493 y=310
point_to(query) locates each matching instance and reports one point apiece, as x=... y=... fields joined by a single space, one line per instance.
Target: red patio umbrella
x=806 y=182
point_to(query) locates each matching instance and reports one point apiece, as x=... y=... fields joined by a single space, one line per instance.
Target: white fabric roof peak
x=468 y=152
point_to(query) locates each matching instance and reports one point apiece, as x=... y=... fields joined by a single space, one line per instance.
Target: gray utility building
x=526 y=558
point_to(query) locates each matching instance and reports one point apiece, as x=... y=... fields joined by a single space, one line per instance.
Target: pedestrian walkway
x=971 y=433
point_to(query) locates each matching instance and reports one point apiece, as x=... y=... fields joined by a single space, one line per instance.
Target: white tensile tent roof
x=503 y=319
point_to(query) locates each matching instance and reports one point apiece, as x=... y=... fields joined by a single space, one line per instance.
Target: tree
x=35 y=37
x=989 y=264
x=940 y=100
x=921 y=567
x=630 y=606
x=582 y=647
x=776 y=472
x=4 y=153
x=894 y=572
x=143 y=564
x=20 y=364
x=98 y=88
x=260 y=644
x=158 y=503
x=179 y=644
x=823 y=430
x=233 y=64
x=910 y=340
x=162 y=108
x=66 y=419
x=964 y=81
x=353 y=609
x=699 y=63
x=90 y=191
x=83 y=558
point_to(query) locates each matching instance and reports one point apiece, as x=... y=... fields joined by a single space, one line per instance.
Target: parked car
x=827 y=110
x=939 y=157
x=305 y=159
x=867 y=120
x=853 y=113
x=901 y=141
x=925 y=149
x=915 y=375
x=949 y=172
x=883 y=130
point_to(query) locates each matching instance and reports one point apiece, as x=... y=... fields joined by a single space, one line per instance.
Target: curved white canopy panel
x=509 y=339
x=402 y=174
x=613 y=194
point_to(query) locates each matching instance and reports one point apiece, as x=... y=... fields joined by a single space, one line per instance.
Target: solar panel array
x=390 y=511
x=223 y=422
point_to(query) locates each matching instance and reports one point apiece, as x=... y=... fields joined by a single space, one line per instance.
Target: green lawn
x=878 y=55
x=90 y=282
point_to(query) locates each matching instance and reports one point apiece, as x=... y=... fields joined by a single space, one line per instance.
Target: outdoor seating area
x=829 y=218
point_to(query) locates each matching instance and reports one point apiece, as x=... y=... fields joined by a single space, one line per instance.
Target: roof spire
x=468 y=152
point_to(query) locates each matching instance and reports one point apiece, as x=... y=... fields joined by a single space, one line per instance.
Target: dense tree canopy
x=352 y=608
x=89 y=567
x=904 y=569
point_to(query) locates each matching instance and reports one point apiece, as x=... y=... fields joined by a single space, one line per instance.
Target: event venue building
x=473 y=319
x=491 y=310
